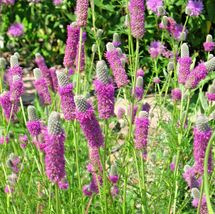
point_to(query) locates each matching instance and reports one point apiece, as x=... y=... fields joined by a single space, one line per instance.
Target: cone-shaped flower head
x=211 y=92
x=136 y=10
x=71 y=44
x=81 y=12
x=42 y=87
x=14 y=61
x=16 y=88
x=138 y=91
x=33 y=124
x=210 y=64
x=54 y=150
x=66 y=96
x=154 y=5
x=116 y=40
x=176 y=94
x=113 y=58
x=40 y=61
x=184 y=64
x=194 y=7
x=209 y=45
x=202 y=134
x=104 y=91
x=88 y=122
x=141 y=131
x=113 y=175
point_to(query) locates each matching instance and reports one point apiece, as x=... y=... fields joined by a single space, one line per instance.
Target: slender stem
x=206 y=184
x=200 y=199
x=79 y=60
x=57 y=200
x=23 y=111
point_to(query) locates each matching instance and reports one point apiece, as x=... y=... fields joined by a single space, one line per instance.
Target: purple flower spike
x=211 y=92
x=176 y=94
x=184 y=64
x=40 y=61
x=42 y=88
x=71 y=45
x=82 y=60
x=141 y=131
x=54 y=150
x=54 y=79
x=88 y=122
x=189 y=177
x=66 y=96
x=113 y=176
x=156 y=49
x=16 y=89
x=196 y=199
x=33 y=124
x=194 y=7
x=16 y=30
x=7 y=105
x=202 y=134
x=136 y=9
x=81 y=12
x=140 y=72
x=209 y=45
x=86 y=190
x=113 y=58
x=104 y=90
x=116 y=40
x=138 y=91
x=114 y=191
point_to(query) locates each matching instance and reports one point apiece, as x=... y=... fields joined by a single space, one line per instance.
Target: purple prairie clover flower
x=194 y=7
x=8 y=2
x=113 y=175
x=54 y=150
x=136 y=10
x=14 y=69
x=40 y=61
x=177 y=33
x=209 y=45
x=54 y=79
x=33 y=124
x=65 y=91
x=140 y=72
x=88 y=122
x=104 y=91
x=138 y=91
x=8 y=107
x=4 y=140
x=114 y=191
x=63 y=184
x=82 y=58
x=86 y=190
x=211 y=93
x=153 y=5
x=176 y=94
x=141 y=131
x=184 y=64
x=189 y=176
x=120 y=113
x=57 y=2
x=23 y=138
x=196 y=199
x=156 y=48
x=116 y=40
x=146 y=107
x=81 y=12
x=15 y=30
x=13 y=163
x=42 y=87
x=71 y=44
x=16 y=89
x=8 y=189
x=119 y=73
x=202 y=134
x=156 y=80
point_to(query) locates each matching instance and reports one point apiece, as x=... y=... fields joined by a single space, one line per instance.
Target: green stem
x=57 y=199
x=23 y=111
x=200 y=199
x=206 y=184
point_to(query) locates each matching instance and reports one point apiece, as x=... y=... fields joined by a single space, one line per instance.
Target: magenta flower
x=81 y=12
x=42 y=88
x=194 y=7
x=156 y=48
x=141 y=131
x=116 y=40
x=71 y=45
x=146 y=107
x=82 y=59
x=4 y=139
x=114 y=191
x=189 y=176
x=140 y=72
x=156 y=80
x=153 y=5
x=66 y=96
x=8 y=107
x=57 y=2
x=40 y=61
x=16 y=30
x=136 y=9
x=120 y=113
x=202 y=134
x=209 y=45
x=113 y=176
x=104 y=91
x=138 y=91
x=119 y=73
x=8 y=2
x=88 y=122
x=211 y=92
x=54 y=82
x=16 y=89
x=176 y=94
x=54 y=150
x=86 y=190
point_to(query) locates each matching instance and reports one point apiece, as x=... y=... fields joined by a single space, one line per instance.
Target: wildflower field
x=107 y=106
